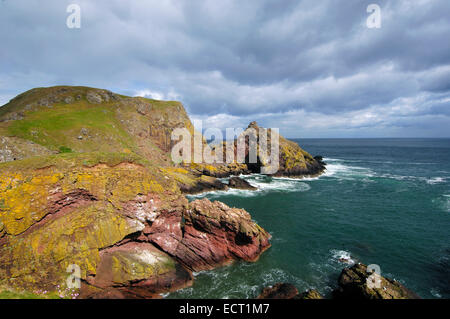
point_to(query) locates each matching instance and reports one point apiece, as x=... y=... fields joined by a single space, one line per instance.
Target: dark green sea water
x=381 y=201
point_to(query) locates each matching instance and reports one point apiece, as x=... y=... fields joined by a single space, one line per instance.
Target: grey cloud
x=242 y=59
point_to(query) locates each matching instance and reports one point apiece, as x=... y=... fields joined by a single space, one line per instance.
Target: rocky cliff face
x=127 y=227
x=81 y=119
x=87 y=180
x=291 y=160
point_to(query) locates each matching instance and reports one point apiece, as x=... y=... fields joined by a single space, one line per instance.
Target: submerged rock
x=354 y=284
x=287 y=291
x=279 y=291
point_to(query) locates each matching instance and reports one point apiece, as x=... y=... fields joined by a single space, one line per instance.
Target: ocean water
x=381 y=201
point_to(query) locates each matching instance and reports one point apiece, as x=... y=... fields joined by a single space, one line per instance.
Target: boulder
x=136 y=269
x=354 y=283
x=69 y=100
x=93 y=97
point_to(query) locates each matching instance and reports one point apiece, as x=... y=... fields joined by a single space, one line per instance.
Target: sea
x=381 y=201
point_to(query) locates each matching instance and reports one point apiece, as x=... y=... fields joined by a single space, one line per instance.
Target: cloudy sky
x=311 y=68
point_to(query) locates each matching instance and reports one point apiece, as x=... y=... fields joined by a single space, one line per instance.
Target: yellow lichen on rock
x=54 y=217
x=24 y=199
x=75 y=238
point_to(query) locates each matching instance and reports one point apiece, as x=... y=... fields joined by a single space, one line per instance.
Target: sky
x=310 y=68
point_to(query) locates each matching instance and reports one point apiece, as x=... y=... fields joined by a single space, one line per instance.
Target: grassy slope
x=59 y=127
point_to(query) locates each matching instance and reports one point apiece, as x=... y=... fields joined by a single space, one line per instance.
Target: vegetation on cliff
x=86 y=178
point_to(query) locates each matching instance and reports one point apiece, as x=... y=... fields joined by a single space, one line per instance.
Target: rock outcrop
x=128 y=229
x=203 y=184
x=237 y=182
x=291 y=161
x=354 y=284
x=15 y=149
x=208 y=234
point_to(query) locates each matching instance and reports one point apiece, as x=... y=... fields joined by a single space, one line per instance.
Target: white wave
x=276 y=275
x=435 y=293
x=430 y=181
x=264 y=184
x=342 y=256
x=436 y=180
x=277 y=184
x=342 y=171
x=304 y=179
x=329 y=159
x=339 y=168
x=229 y=192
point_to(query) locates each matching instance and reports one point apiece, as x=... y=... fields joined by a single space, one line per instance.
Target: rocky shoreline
x=97 y=197
x=355 y=283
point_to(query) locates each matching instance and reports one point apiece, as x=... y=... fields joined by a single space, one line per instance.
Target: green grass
x=64 y=149
x=60 y=126
x=71 y=160
x=81 y=127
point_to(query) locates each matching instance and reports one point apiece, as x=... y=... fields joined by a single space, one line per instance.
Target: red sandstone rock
x=208 y=234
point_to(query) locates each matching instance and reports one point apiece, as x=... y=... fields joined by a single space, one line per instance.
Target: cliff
x=86 y=179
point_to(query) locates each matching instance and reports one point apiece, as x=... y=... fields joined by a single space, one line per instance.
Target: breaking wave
x=264 y=184
x=339 y=168
x=228 y=282
x=342 y=256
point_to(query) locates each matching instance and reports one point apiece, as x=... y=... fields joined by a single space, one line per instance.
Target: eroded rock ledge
x=208 y=234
